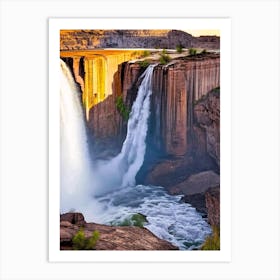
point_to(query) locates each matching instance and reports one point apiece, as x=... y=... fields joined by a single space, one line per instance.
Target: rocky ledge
x=110 y=237
x=202 y=191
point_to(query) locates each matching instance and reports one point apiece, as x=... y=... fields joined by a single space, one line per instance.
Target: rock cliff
x=184 y=124
x=92 y=39
x=207 y=125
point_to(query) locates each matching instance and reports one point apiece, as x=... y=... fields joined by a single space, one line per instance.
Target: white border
x=224 y=255
x=24 y=140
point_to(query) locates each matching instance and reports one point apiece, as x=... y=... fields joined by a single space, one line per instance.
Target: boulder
x=197 y=183
x=73 y=218
x=207 y=203
x=197 y=201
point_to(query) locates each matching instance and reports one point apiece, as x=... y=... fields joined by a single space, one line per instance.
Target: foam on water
x=167 y=217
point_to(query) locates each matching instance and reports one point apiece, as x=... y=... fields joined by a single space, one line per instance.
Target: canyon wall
x=176 y=88
x=168 y=39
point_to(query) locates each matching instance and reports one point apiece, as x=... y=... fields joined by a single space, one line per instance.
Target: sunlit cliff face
x=99 y=69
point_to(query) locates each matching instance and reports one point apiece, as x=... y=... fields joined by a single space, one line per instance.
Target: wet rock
x=207 y=203
x=212 y=201
x=197 y=201
x=198 y=183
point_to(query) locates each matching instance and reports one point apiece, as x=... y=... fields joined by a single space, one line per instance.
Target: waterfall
x=75 y=164
x=121 y=170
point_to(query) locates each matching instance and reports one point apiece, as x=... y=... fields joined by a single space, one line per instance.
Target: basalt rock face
x=207 y=125
x=92 y=39
x=184 y=125
x=202 y=191
x=176 y=88
x=212 y=201
x=110 y=237
x=207 y=203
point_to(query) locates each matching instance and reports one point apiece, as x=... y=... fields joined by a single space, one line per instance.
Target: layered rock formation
x=176 y=87
x=110 y=237
x=92 y=39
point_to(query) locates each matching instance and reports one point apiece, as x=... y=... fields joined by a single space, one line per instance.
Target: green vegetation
x=179 y=48
x=212 y=242
x=135 y=54
x=145 y=53
x=123 y=110
x=204 y=51
x=215 y=92
x=144 y=63
x=80 y=242
x=217 y=89
x=192 y=51
x=164 y=57
x=137 y=220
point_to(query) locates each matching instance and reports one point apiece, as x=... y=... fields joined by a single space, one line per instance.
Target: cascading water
x=75 y=166
x=124 y=167
x=107 y=193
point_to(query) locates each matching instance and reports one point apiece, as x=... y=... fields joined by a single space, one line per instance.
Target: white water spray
x=121 y=171
x=75 y=165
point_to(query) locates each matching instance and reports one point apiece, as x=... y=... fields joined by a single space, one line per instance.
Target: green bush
x=164 y=57
x=216 y=89
x=137 y=220
x=80 y=242
x=123 y=110
x=212 y=242
x=144 y=63
x=204 y=51
x=179 y=48
x=192 y=51
x=145 y=53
